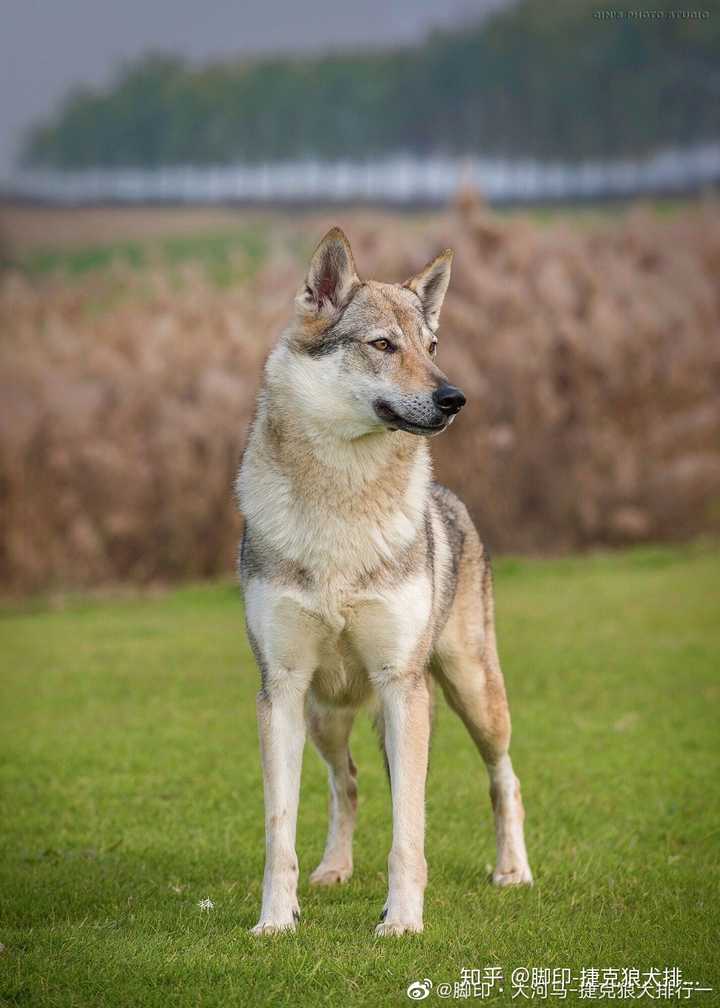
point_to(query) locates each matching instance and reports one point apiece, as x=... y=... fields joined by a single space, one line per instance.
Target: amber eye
x=433 y=348
x=384 y=345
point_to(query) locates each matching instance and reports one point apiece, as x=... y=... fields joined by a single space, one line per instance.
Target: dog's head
x=364 y=352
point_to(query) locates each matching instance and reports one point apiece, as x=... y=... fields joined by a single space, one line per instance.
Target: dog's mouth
x=393 y=421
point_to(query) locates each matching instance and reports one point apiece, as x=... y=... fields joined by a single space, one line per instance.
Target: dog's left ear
x=331 y=276
x=431 y=285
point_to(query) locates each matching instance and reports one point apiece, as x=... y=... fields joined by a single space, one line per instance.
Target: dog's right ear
x=331 y=276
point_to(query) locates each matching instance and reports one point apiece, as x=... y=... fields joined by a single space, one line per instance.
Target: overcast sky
x=46 y=46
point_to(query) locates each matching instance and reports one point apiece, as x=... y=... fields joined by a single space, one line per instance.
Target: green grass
x=234 y=254
x=226 y=256
x=131 y=790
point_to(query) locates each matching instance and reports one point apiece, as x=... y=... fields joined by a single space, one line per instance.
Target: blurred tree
x=571 y=79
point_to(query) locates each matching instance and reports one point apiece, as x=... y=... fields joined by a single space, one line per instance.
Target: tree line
x=568 y=79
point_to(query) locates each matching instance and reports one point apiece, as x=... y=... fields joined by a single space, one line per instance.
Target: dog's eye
x=382 y=344
x=433 y=348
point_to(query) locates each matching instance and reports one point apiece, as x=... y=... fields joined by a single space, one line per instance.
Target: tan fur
x=361 y=577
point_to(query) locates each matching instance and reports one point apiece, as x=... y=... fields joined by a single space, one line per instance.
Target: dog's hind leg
x=329 y=729
x=467 y=666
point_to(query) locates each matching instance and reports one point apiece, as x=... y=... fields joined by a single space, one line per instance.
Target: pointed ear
x=431 y=284
x=331 y=276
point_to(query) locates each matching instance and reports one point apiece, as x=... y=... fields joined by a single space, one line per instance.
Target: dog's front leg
x=281 y=725
x=406 y=714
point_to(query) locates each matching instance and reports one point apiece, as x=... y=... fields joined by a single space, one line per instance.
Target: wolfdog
x=363 y=579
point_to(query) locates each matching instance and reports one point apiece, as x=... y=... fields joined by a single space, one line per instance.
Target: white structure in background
x=397 y=180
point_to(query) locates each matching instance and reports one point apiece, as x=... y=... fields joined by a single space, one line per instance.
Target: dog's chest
x=370 y=637
x=338 y=521
x=349 y=639
x=336 y=548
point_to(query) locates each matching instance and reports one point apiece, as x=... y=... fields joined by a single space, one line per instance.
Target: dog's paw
x=515 y=876
x=327 y=874
x=397 y=927
x=276 y=925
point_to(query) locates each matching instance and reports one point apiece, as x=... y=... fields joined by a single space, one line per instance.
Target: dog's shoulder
x=458 y=528
x=453 y=514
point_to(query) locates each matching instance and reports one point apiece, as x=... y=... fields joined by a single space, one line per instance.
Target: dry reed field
x=589 y=350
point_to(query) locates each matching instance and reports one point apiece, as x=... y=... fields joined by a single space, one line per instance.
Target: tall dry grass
x=590 y=355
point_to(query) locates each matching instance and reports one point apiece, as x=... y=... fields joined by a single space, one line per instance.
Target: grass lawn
x=228 y=245
x=131 y=791
x=227 y=257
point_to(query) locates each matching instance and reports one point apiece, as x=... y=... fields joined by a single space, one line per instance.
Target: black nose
x=449 y=399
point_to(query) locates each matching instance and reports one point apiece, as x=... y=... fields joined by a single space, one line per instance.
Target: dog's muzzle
x=426 y=417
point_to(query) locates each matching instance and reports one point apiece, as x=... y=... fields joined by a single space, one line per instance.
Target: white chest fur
x=339 y=512
x=348 y=643
x=337 y=509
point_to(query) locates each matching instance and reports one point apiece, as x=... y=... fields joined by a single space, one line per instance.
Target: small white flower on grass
x=206 y=904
